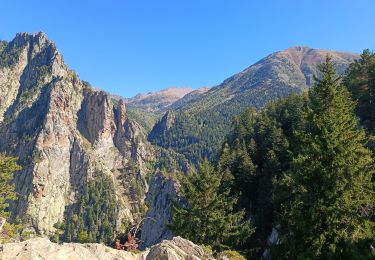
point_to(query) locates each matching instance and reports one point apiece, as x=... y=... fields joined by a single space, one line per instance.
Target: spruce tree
x=360 y=81
x=329 y=183
x=208 y=216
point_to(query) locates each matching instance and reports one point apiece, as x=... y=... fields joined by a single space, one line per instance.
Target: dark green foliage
x=9 y=53
x=146 y=119
x=360 y=81
x=201 y=124
x=209 y=217
x=323 y=196
x=256 y=153
x=301 y=165
x=3 y=44
x=93 y=217
x=199 y=132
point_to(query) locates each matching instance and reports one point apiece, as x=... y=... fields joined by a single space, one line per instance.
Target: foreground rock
x=41 y=248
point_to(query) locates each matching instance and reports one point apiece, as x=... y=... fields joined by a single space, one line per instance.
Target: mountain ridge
x=157 y=101
x=202 y=123
x=69 y=136
x=66 y=135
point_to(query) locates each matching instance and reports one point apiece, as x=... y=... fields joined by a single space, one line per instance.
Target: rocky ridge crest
x=64 y=133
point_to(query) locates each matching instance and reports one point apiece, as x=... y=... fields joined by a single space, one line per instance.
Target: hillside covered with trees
x=303 y=170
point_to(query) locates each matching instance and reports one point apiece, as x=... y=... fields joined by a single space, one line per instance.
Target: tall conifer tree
x=329 y=184
x=209 y=217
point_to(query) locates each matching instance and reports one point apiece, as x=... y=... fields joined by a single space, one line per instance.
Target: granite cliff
x=64 y=133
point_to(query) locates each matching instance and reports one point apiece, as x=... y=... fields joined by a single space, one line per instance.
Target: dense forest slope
x=200 y=125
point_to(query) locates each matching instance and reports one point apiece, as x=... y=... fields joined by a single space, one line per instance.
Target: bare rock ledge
x=41 y=248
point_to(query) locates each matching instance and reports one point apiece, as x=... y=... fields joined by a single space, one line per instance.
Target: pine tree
x=208 y=216
x=329 y=183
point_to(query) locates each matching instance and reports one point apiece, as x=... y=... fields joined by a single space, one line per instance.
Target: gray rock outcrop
x=161 y=194
x=43 y=249
x=63 y=132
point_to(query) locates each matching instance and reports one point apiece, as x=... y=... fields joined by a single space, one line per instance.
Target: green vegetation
x=208 y=216
x=8 y=166
x=93 y=217
x=145 y=119
x=256 y=153
x=134 y=187
x=9 y=54
x=198 y=133
x=325 y=192
x=233 y=255
x=3 y=45
x=301 y=166
x=360 y=81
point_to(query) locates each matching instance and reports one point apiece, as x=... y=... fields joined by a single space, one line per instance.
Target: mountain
x=146 y=109
x=288 y=70
x=157 y=101
x=83 y=150
x=77 y=147
x=193 y=95
x=200 y=124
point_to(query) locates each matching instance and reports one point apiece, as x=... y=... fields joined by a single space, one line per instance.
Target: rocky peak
x=64 y=132
x=27 y=64
x=37 y=44
x=305 y=60
x=163 y=125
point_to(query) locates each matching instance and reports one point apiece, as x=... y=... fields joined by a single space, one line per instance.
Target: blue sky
x=126 y=47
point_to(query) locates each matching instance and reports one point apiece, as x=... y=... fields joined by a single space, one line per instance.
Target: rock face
x=162 y=192
x=42 y=249
x=163 y=125
x=64 y=132
x=2 y=223
x=177 y=248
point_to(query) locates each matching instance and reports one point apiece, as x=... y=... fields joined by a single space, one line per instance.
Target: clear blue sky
x=126 y=47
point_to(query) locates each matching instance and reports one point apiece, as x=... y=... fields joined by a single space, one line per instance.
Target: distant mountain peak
x=158 y=101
